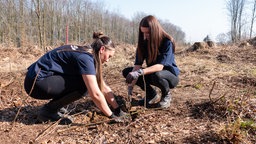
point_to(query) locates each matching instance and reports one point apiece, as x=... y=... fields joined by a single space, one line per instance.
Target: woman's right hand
x=96 y=94
x=118 y=115
x=134 y=75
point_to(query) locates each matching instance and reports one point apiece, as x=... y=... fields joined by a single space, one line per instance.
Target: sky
x=197 y=18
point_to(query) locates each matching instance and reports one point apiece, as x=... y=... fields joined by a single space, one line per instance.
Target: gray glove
x=119 y=112
x=133 y=75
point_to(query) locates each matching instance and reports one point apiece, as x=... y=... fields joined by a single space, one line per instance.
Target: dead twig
x=219 y=98
x=75 y=125
x=137 y=120
x=5 y=85
x=45 y=132
x=84 y=111
x=211 y=91
x=54 y=124
x=25 y=99
x=99 y=139
x=145 y=99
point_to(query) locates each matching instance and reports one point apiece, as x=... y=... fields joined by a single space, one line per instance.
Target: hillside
x=215 y=102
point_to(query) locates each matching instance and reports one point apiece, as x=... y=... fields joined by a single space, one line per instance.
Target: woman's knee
x=174 y=82
x=170 y=77
x=126 y=71
x=158 y=75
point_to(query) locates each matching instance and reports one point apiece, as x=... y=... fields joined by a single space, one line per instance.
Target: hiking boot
x=47 y=114
x=151 y=98
x=155 y=99
x=165 y=101
x=54 y=110
x=151 y=102
x=63 y=110
x=142 y=103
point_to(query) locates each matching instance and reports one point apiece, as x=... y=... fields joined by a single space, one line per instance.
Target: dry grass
x=215 y=102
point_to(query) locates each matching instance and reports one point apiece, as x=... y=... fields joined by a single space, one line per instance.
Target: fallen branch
x=44 y=133
x=75 y=125
x=137 y=120
x=211 y=91
x=5 y=85
x=219 y=98
x=54 y=124
x=25 y=99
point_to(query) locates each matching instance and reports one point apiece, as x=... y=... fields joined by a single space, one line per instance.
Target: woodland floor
x=217 y=87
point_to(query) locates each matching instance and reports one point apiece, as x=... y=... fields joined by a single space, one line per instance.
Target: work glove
x=116 y=119
x=118 y=116
x=118 y=112
x=134 y=75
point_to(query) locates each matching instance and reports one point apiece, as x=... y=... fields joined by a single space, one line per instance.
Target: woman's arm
x=96 y=95
x=109 y=95
x=153 y=69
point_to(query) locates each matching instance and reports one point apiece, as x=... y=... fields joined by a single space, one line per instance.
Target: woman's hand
x=118 y=115
x=96 y=94
x=109 y=95
x=134 y=75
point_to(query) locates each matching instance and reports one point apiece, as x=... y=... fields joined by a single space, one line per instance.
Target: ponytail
x=100 y=40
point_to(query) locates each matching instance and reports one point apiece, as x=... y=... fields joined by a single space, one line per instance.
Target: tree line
x=46 y=22
x=241 y=15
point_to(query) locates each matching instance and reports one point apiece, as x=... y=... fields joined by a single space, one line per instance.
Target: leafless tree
x=253 y=17
x=222 y=38
x=44 y=22
x=235 y=9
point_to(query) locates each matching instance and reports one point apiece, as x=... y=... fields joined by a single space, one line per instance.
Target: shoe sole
x=63 y=121
x=165 y=105
x=155 y=99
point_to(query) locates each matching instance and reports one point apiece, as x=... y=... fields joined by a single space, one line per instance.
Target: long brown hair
x=157 y=34
x=100 y=40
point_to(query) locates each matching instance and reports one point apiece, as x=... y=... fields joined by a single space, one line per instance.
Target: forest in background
x=46 y=22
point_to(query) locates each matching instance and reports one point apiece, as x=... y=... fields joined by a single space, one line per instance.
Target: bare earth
x=217 y=86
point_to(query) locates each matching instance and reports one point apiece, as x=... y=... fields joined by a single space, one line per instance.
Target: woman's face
x=106 y=54
x=145 y=31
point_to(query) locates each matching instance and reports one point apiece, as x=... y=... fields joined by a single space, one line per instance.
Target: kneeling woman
x=66 y=73
x=156 y=47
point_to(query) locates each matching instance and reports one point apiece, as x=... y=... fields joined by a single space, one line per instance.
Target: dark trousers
x=164 y=80
x=54 y=87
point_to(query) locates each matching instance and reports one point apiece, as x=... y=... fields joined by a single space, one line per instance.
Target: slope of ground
x=215 y=102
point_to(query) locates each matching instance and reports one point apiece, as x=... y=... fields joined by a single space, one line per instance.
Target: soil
x=217 y=85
